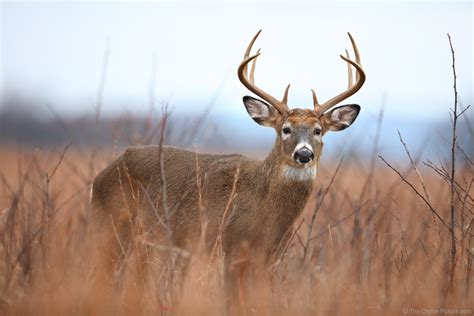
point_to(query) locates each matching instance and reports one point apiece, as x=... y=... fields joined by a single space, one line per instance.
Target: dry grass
x=374 y=248
x=374 y=239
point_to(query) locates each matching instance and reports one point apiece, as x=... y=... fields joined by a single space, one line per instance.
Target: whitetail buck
x=242 y=201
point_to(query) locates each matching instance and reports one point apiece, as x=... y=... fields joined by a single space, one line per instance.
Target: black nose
x=304 y=155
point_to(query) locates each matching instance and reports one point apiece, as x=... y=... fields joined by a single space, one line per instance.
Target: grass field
x=366 y=244
x=378 y=237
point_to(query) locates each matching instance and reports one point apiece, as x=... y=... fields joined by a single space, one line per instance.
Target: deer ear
x=261 y=112
x=341 y=117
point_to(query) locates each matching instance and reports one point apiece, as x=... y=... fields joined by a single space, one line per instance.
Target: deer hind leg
x=112 y=247
x=237 y=269
x=165 y=266
x=172 y=278
x=246 y=275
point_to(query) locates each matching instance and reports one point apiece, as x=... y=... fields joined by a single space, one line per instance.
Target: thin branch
x=337 y=223
x=414 y=167
x=417 y=193
x=462 y=112
x=318 y=206
x=103 y=79
x=59 y=161
x=453 y=163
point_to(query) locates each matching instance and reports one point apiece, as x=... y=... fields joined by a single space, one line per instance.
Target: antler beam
x=249 y=82
x=352 y=87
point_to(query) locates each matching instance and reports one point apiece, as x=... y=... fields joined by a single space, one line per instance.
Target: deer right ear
x=261 y=112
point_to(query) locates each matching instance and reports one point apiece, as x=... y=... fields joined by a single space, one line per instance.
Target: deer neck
x=285 y=187
x=281 y=198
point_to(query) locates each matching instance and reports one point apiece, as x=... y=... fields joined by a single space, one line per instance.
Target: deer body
x=185 y=197
x=261 y=213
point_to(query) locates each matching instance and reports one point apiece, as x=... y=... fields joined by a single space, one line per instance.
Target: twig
x=202 y=216
x=164 y=194
x=414 y=166
x=318 y=206
x=117 y=235
x=224 y=217
x=432 y=209
x=453 y=163
x=285 y=243
x=426 y=253
x=337 y=223
x=103 y=79
x=59 y=161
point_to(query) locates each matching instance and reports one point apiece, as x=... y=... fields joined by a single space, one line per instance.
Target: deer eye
x=286 y=130
x=317 y=131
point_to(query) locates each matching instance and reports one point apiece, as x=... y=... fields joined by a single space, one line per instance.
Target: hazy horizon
x=186 y=54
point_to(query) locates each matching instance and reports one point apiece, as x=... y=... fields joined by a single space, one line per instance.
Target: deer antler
x=352 y=88
x=281 y=106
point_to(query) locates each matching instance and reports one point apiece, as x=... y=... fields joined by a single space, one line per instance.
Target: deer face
x=300 y=131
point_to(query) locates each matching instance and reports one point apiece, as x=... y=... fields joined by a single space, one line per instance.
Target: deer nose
x=303 y=155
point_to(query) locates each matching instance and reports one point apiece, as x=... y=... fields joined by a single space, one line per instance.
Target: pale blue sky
x=54 y=50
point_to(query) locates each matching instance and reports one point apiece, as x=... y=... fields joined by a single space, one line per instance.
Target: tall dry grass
x=365 y=244
x=375 y=238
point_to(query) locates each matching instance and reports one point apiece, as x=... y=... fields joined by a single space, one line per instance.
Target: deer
x=251 y=204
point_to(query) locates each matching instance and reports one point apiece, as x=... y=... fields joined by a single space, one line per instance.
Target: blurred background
x=101 y=72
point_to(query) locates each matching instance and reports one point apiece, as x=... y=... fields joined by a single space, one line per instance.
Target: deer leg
x=235 y=280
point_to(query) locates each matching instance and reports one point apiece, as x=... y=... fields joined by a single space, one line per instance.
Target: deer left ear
x=341 y=117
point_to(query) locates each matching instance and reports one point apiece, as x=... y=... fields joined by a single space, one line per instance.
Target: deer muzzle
x=303 y=154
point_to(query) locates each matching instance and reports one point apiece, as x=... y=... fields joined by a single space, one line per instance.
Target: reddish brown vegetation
x=372 y=240
x=374 y=246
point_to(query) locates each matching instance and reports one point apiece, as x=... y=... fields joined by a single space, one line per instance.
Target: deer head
x=300 y=131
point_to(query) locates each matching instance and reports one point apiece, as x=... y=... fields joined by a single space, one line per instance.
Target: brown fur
x=262 y=212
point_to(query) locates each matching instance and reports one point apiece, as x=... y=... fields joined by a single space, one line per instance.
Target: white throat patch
x=300 y=174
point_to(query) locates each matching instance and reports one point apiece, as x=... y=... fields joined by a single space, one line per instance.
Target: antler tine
x=356 y=52
x=252 y=70
x=315 y=99
x=249 y=82
x=285 y=95
x=349 y=72
x=249 y=48
x=352 y=87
